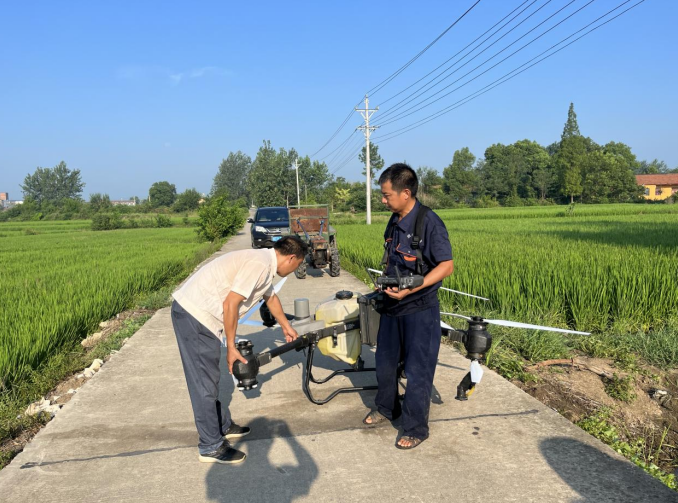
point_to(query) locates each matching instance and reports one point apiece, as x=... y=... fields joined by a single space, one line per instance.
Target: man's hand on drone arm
x=273 y=303
x=438 y=273
x=231 y=307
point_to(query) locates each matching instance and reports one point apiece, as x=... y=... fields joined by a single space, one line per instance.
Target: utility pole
x=296 y=167
x=367 y=129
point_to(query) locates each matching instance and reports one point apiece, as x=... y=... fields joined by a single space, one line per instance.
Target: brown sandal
x=414 y=440
x=375 y=418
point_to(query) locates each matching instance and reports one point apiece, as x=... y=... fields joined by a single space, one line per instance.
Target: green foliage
x=217 y=219
x=604 y=268
x=459 y=179
x=162 y=194
x=599 y=425
x=99 y=202
x=271 y=182
x=53 y=185
x=106 y=222
x=571 y=128
x=163 y=221
x=376 y=162
x=58 y=285
x=231 y=178
x=188 y=200
x=620 y=388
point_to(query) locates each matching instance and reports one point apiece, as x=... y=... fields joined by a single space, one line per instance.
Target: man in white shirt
x=210 y=302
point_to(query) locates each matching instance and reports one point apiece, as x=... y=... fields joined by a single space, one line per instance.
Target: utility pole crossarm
x=367 y=130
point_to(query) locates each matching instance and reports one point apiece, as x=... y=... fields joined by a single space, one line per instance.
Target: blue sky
x=136 y=92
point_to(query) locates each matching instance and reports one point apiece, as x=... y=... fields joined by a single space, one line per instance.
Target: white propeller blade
x=457 y=316
x=245 y=320
x=517 y=324
x=445 y=325
x=464 y=293
x=375 y=271
x=476 y=372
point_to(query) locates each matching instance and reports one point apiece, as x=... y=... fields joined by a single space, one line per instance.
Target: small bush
x=106 y=222
x=620 y=388
x=163 y=221
x=218 y=219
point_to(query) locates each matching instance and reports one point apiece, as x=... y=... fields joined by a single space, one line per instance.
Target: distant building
x=124 y=202
x=6 y=202
x=658 y=187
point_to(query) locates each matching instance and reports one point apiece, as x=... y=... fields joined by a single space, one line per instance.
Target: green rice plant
x=608 y=268
x=59 y=285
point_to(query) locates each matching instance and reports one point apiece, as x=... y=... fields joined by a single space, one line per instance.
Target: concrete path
x=128 y=435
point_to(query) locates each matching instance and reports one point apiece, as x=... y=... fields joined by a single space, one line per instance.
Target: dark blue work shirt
x=435 y=248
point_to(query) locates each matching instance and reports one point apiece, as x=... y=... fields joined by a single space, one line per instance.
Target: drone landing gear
x=466 y=388
x=308 y=378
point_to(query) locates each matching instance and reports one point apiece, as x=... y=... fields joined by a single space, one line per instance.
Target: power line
x=354 y=153
x=343 y=143
x=462 y=50
x=388 y=79
x=348 y=117
x=405 y=113
x=503 y=79
x=342 y=153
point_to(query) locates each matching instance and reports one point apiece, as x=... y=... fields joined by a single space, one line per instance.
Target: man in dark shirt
x=409 y=331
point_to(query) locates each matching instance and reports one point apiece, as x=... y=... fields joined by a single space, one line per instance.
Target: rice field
x=59 y=280
x=600 y=268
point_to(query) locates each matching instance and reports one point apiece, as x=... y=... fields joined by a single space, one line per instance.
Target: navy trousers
x=415 y=340
x=200 y=353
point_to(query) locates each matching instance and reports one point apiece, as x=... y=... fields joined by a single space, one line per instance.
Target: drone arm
x=455 y=335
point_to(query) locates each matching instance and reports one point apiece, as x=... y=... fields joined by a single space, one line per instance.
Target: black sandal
x=375 y=417
x=414 y=440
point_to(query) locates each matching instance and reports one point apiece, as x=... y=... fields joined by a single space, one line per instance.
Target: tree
x=376 y=162
x=53 y=185
x=162 y=194
x=571 y=127
x=271 y=182
x=99 y=202
x=313 y=179
x=459 y=179
x=187 y=201
x=608 y=178
x=569 y=162
x=653 y=168
x=231 y=178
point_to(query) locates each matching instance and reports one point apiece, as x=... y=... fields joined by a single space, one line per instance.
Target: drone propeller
x=457 y=316
x=464 y=293
x=245 y=320
x=517 y=324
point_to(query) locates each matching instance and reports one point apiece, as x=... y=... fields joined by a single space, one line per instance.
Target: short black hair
x=291 y=245
x=401 y=177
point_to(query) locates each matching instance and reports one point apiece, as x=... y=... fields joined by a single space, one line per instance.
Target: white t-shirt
x=249 y=273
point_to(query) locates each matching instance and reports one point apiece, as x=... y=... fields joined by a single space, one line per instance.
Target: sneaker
x=235 y=431
x=225 y=454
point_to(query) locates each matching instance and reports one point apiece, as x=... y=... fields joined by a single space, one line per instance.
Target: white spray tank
x=341 y=308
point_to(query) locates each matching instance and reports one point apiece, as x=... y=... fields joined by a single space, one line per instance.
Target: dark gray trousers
x=200 y=353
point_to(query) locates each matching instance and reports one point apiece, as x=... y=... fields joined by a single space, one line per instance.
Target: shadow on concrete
x=598 y=477
x=106 y=456
x=270 y=473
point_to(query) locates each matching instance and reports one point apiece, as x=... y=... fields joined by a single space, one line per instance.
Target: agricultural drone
x=342 y=324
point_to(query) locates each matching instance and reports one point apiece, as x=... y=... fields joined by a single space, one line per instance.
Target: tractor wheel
x=300 y=273
x=335 y=268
